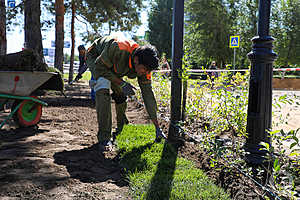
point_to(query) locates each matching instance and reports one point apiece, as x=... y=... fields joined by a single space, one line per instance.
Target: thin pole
x=177 y=54
x=234 y=52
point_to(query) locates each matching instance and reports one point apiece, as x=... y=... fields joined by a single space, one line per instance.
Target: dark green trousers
x=104 y=116
x=103 y=109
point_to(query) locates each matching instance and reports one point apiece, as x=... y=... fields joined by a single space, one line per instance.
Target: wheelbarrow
x=21 y=86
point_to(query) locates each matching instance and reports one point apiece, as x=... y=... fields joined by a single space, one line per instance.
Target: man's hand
x=159 y=135
x=127 y=88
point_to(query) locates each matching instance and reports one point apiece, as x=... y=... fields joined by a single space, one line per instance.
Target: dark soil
x=58 y=159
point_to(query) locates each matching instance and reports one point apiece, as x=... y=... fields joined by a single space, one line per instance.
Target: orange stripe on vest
x=127 y=45
x=148 y=76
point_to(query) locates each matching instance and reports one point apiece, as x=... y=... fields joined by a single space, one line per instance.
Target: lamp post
x=260 y=89
x=177 y=54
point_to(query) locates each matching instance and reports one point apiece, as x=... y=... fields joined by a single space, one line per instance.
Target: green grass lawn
x=86 y=76
x=155 y=171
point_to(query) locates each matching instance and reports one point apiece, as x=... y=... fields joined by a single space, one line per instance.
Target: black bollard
x=260 y=90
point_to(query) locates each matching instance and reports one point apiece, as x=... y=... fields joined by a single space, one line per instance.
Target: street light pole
x=177 y=54
x=260 y=90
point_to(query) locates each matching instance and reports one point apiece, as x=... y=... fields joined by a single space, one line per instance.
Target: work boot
x=159 y=135
x=105 y=145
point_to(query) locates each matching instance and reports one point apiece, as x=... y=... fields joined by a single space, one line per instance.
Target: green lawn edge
x=85 y=76
x=154 y=170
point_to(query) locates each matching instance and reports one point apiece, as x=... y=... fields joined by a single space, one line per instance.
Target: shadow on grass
x=161 y=183
x=133 y=159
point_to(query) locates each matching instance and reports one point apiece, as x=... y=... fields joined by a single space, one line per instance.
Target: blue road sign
x=11 y=3
x=67 y=44
x=45 y=52
x=234 y=42
x=51 y=52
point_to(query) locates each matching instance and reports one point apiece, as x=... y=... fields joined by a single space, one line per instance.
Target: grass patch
x=85 y=76
x=155 y=172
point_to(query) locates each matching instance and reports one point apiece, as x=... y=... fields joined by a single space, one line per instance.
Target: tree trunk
x=59 y=35
x=290 y=47
x=71 y=70
x=33 y=35
x=3 y=42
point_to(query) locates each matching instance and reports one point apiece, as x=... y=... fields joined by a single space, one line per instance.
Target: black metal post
x=177 y=54
x=260 y=90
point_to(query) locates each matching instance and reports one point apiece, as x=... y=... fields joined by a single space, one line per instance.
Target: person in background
x=82 y=64
x=110 y=59
x=213 y=75
x=165 y=66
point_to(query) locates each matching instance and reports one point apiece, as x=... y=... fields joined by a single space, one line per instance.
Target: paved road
x=292 y=109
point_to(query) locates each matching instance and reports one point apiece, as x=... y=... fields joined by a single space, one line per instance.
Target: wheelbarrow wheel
x=28 y=114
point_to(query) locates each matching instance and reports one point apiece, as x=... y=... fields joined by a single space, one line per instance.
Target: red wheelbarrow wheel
x=28 y=114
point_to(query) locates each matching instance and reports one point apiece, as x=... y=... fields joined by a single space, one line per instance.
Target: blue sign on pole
x=52 y=43
x=51 y=52
x=67 y=44
x=11 y=3
x=234 y=42
x=45 y=52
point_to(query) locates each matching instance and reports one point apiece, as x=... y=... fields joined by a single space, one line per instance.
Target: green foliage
x=160 y=26
x=219 y=108
x=85 y=76
x=285 y=170
x=286 y=29
x=121 y=15
x=210 y=23
x=207 y=27
x=155 y=172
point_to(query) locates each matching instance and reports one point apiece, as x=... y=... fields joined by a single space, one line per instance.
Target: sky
x=15 y=39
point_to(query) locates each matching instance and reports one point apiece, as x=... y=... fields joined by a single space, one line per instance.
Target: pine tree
x=160 y=26
x=3 y=42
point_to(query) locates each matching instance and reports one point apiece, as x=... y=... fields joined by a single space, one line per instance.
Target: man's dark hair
x=81 y=47
x=147 y=56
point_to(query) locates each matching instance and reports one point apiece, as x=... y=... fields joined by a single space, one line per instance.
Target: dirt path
x=59 y=159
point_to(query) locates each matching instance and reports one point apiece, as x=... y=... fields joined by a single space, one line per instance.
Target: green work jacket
x=111 y=57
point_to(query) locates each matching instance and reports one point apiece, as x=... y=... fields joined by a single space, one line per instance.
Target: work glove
x=159 y=135
x=127 y=88
x=92 y=83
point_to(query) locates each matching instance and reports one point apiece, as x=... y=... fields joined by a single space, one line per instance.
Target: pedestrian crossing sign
x=234 y=42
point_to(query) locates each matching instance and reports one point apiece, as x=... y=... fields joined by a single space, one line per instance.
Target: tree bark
x=3 y=41
x=32 y=29
x=59 y=35
x=71 y=70
x=290 y=47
